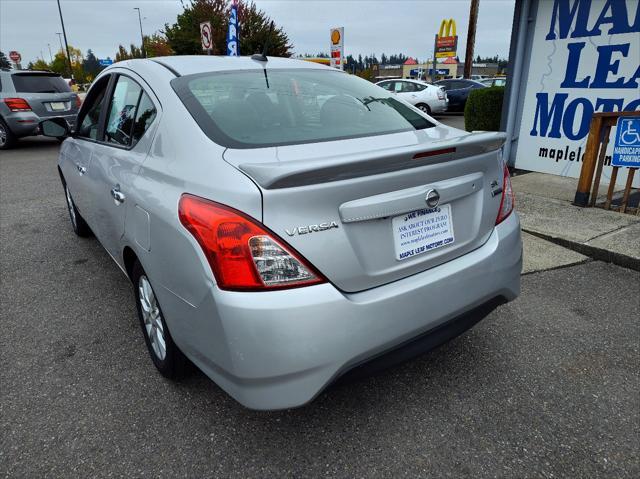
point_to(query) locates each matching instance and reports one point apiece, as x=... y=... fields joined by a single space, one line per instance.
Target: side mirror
x=55 y=127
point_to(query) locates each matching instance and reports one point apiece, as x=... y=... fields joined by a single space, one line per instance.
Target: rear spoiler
x=275 y=175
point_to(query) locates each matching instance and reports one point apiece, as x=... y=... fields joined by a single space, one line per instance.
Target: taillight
x=507 y=201
x=243 y=254
x=17 y=104
x=440 y=94
x=78 y=101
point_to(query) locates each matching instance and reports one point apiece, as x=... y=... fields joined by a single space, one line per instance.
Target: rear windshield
x=40 y=84
x=259 y=108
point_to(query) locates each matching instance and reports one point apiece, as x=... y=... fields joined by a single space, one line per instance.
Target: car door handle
x=117 y=195
x=81 y=169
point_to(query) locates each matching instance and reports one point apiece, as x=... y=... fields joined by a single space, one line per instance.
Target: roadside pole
x=471 y=38
x=66 y=44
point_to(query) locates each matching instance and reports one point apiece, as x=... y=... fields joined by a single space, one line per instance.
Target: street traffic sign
x=15 y=56
x=626 y=149
x=205 y=36
x=105 y=62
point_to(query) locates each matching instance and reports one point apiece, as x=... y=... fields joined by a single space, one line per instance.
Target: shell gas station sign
x=337 y=47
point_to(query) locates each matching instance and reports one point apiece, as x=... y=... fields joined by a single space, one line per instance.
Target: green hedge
x=484 y=109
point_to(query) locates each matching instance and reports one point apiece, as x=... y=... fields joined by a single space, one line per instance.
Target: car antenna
x=262 y=57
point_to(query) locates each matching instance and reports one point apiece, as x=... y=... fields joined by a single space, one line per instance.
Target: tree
x=4 y=61
x=122 y=54
x=253 y=24
x=61 y=66
x=39 y=64
x=91 y=65
x=157 y=45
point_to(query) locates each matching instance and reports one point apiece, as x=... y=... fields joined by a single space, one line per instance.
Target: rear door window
x=408 y=87
x=122 y=112
x=145 y=115
x=39 y=83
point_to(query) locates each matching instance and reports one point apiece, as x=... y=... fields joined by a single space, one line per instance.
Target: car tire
x=166 y=356
x=79 y=225
x=7 y=138
x=424 y=108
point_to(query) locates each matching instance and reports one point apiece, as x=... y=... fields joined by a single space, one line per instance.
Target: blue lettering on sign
x=555 y=116
x=626 y=149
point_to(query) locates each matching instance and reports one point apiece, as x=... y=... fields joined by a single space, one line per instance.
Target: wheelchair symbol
x=629 y=135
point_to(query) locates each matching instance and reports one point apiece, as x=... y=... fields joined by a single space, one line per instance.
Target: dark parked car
x=458 y=91
x=28 y=97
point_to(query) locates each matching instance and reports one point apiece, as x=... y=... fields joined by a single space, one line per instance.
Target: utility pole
x=471 y=38
x=144 y=53
x=60 y=38
x=66 y=44
x=50 y=55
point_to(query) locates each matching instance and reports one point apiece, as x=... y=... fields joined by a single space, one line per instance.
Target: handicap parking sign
x=626 y=150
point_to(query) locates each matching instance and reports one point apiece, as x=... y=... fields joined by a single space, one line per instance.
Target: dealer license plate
x=57 y=106
x=422 y=230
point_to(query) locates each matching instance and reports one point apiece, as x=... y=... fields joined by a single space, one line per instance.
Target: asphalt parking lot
x=546 y=386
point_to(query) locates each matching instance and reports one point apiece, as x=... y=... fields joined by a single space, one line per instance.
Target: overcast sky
x=371 y=26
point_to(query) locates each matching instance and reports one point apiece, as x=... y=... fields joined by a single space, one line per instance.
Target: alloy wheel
x=152 y=318
x=3 y=135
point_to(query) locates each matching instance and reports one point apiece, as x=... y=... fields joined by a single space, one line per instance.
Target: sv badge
x=303 y=230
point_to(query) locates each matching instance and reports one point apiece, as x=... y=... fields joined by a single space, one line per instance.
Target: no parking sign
x=205 y=36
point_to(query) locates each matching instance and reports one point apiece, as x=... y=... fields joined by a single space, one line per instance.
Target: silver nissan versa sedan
x=283 y=223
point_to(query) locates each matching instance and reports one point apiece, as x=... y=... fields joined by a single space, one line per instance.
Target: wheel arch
x=129 y=258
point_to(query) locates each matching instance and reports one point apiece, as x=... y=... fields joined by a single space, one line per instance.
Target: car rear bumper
x=440 y=106
x=28 y=123
x=279 y=349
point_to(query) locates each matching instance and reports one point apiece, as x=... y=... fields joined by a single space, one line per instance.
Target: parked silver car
x=283 y=222
x=27 y=97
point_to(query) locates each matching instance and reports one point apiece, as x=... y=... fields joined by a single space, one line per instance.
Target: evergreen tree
x=91 y=65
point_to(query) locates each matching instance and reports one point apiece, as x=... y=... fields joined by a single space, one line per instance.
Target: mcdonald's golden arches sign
x=447 y=41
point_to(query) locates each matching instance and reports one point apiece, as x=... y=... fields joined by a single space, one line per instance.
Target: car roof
x=193 y=64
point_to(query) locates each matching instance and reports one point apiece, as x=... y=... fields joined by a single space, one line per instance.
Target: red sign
x=15 y=56
x=447 y=42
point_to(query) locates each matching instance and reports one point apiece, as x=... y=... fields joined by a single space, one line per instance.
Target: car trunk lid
x=356 y=209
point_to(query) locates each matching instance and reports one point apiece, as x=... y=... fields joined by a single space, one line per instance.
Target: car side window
x=408 y=87
x=397 y=87
x=419 y=87
x=445 y=84
x=122 y=112
x=90 y=115
x=386 y=85
x=145 y=115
